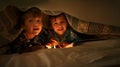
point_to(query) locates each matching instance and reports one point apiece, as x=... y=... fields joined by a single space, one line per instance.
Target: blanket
x=93 y=54
x=87 y=27
x=10 y=17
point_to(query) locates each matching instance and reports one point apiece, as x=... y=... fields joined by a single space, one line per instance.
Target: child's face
x=33 y=25
x=59 y=24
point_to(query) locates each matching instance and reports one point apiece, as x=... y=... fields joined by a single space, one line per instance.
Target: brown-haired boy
x=32 y=35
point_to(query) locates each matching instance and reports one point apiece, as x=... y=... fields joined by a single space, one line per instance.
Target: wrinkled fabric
x=8 y=19
x=93 y=54
x=83 y=26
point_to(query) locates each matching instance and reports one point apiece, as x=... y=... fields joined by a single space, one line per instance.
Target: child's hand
x=69 y=45
x=52 y=43
x=49 y=45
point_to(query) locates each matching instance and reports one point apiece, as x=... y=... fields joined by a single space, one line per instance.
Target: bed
x=93 y=54
x=103 y=53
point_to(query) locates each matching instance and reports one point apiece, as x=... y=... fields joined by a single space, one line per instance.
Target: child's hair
x=54 y=17
x=32 y=12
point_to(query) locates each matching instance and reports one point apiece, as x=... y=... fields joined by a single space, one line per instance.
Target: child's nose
x=59 y=25
x=37 y=22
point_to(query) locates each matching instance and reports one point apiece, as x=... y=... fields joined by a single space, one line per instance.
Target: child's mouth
x=60 y=29
x=35 y=28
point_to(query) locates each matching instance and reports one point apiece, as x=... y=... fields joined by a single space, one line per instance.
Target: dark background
x=100 y=11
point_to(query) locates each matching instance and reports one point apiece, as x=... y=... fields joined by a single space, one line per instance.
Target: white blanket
x=93 y=54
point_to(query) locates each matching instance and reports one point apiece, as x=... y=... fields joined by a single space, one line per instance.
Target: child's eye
x=55 y=23
x=30 y=20
x=63 y=21
x=38 y=21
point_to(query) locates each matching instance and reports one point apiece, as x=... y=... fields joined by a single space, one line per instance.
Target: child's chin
x=60 y=33
x=36 y=33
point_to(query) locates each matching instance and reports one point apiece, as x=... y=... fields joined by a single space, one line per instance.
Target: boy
x=31 y=37
x=63 y=36
x=60 y=36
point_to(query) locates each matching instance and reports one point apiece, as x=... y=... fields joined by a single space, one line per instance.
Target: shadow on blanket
x=93 y=54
